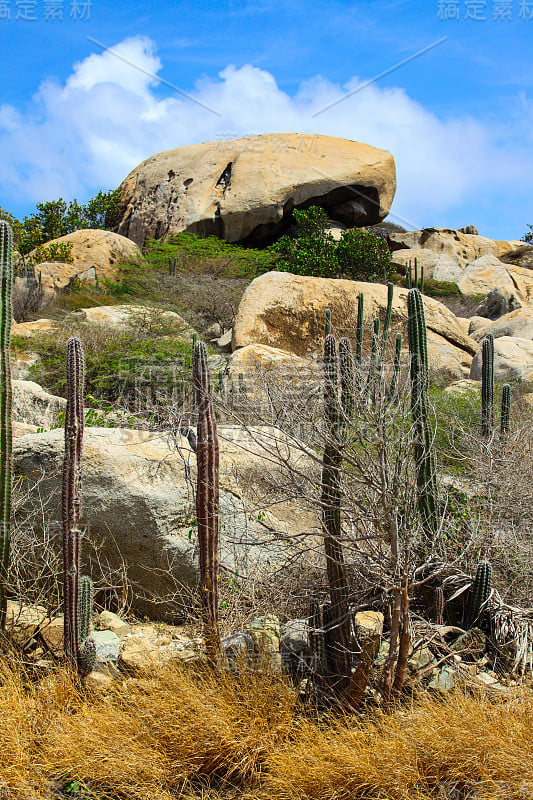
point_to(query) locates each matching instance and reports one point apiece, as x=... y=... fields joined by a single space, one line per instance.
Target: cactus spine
x=425 y=462
x=487 y=385
x=6 y=266
x=506 y=409
x=71 y=507
x=480 y=591
x=207 y=499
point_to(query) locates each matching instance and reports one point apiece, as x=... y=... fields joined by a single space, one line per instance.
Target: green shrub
x=363 y=256
x=528 y=236
x=55 y=251
x=311 y=250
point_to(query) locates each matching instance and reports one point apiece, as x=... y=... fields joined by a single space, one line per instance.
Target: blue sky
x=458 y=119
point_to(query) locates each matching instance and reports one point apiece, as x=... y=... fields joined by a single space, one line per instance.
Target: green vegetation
x=310 y=249
x=528 y=236
x=56 y=218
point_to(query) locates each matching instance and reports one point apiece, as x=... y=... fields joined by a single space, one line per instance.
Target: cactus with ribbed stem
x=172 y=263
x=207 y=500
x=480 y=592
x=487 y=385
x=71 y=501
x=425 y=461
x=6 y=278
x=506 y=409
x=340 y=661
x=85 y=607
x=396 y=368
x=416 y=284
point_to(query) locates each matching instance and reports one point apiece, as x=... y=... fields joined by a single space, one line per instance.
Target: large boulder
x=33 y=405
x=286 y=312
x=518 y=323
x=487 y=272
x=245 y=189
x=499 y=301
x=96 y=255
x=461 y=247
x=439 y=266
x=513 y=360
x=138 y=505
x=521 y=257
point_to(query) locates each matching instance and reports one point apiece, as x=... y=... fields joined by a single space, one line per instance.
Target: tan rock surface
x=461 y=247
x=518 y=323
x=488 y=272
x=513 y=360
x=242 y=188
x=439 y=266
x=138 y=505
x=286 y=312
x=96 y=255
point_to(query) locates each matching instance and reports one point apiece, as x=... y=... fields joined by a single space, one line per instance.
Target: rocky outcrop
x=513 y=360
x=499 y=301
x=461 y=247
x=487 y=272
x=286 y=312
x=138 y=505
x=32 y=405
x=96 y=255
x=518 y=323
x=245 y=189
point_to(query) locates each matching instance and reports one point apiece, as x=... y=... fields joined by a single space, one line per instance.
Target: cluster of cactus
x=412 y=281
x=6 y=279
x=207 y=499
x=480 y=593
x=172 y=264
x=418 y=373
x=369 y=386
x=487 y=392
x=80 y=650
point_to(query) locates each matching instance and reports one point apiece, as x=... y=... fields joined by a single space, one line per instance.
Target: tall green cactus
x=506 y=409
x=85 y=607
x=207 y=499
x=6 y=279
x=327 y=321
x=480 y=592
x=487 y=385
x=425 y=460
x=71 y=508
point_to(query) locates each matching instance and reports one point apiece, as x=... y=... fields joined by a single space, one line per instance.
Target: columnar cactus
x=6 y=282
x=327 y=321
x=425 y=461
x=481 y=590
x=207 y=499
x=340 y=661
x=85 y=607
x=396 y=368
x=487 y=385
x=506 y=409
x=71 y=505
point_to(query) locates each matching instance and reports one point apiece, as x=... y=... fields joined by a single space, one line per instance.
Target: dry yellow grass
x=198 y=735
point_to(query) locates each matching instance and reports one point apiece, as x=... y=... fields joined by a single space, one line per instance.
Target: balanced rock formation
x=96 y=255
x=244 y=189
x=138 y=505
x=286 y=312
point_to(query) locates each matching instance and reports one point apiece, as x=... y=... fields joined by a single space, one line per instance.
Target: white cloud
x=108 y=116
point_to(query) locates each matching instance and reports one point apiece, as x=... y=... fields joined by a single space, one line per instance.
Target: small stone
x=98 y=681
x=107 y=645
x=444 y=681
x=295 y=637
x=22 y=621
x=420 y=660
x=137 y=654
x=107 y=621
x=52 y=634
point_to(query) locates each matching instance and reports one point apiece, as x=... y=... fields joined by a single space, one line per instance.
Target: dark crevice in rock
x=352 y=205
x=225 y=178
